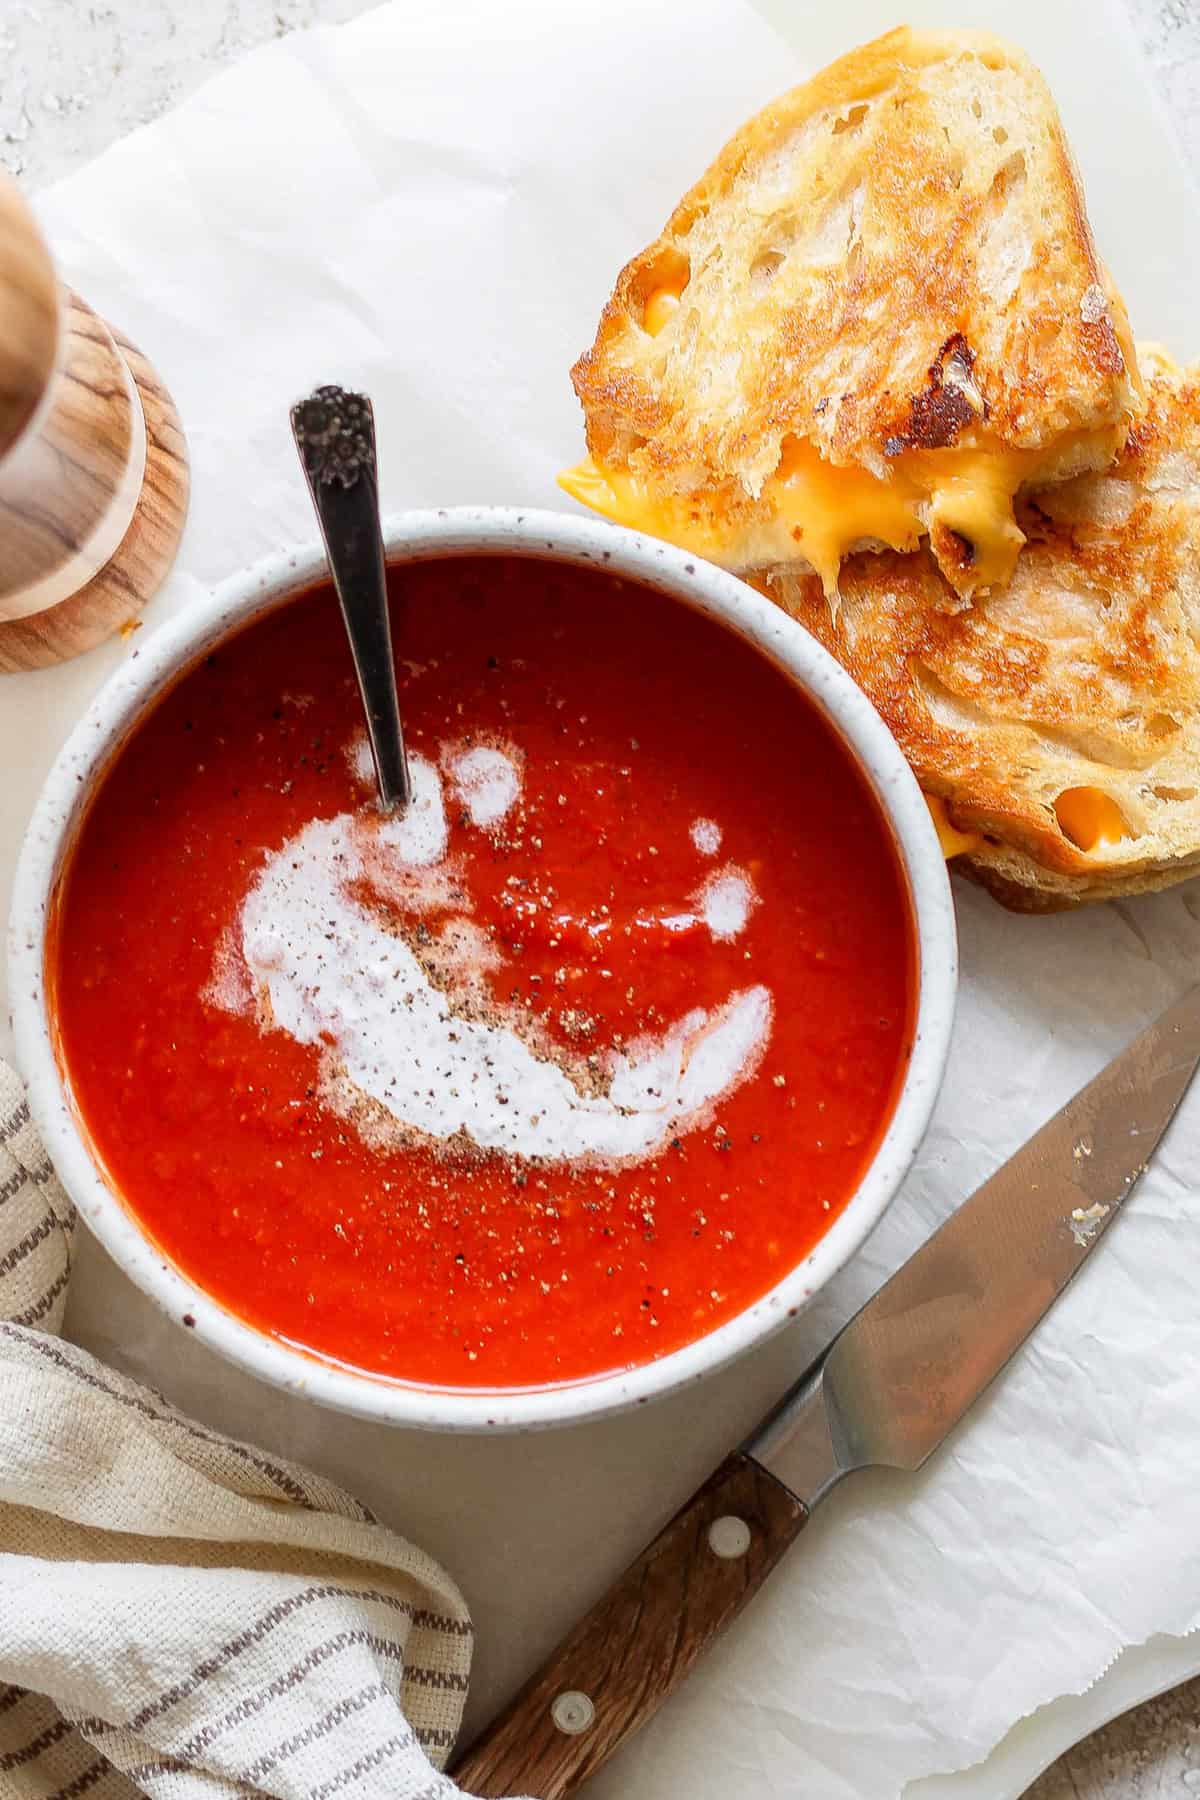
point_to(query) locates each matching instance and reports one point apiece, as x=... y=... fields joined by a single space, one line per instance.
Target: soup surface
x=547 y=1077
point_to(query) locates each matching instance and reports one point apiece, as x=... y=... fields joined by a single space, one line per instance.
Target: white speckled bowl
x=418 y=535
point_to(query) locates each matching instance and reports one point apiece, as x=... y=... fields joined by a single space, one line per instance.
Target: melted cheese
x=953 y=841
x=658 y=309
x=628 y=501
x=809 y=505
x=1090 y=817
x=971 y=493
x=824 y=511
x=827 y=509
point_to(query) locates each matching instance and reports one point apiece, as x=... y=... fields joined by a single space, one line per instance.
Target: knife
x=888 y=1390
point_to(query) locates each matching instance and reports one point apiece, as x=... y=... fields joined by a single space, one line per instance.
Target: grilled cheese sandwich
x=878 y=318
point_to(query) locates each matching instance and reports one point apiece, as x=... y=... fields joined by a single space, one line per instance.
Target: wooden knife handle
x=639 y=1642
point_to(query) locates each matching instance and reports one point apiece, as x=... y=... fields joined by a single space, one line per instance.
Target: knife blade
x=890 y=1388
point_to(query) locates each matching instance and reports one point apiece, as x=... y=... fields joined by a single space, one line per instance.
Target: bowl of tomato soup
x=549 y=1095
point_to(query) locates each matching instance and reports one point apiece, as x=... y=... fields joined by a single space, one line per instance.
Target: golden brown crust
x=1083 y=674
x=895 y=254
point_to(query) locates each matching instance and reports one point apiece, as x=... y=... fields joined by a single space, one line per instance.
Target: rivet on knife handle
x=640 y=1641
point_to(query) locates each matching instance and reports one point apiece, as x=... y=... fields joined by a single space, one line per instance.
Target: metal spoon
x=335 y=435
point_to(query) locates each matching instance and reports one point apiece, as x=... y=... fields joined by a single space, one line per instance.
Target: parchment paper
x=432 y=204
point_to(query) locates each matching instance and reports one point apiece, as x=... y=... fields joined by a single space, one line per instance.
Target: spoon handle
x=335 y=435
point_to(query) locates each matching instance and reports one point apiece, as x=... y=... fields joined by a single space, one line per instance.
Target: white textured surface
x=77 y=76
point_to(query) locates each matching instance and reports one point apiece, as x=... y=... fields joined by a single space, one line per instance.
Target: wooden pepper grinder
x=93 y=463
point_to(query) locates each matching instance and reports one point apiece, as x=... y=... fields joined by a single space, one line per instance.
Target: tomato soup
x=545 y=1078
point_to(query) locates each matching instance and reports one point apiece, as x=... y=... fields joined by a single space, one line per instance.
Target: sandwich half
x=877 y=318
x=1054 y=725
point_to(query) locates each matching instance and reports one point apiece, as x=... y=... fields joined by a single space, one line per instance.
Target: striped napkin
x=181 y=1615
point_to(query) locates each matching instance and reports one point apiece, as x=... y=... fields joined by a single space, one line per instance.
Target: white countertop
x=77 y=77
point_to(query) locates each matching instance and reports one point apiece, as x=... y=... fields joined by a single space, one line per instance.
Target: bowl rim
x=440 y=533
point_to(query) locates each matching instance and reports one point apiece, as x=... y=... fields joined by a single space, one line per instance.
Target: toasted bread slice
x=877 y=317
x=1057 y=723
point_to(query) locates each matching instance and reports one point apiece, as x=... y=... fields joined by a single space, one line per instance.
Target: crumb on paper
x=1086 y=1222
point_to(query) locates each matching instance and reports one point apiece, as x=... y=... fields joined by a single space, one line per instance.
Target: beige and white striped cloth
x=183 y=1616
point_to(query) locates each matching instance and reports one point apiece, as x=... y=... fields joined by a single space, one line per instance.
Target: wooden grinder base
x=112 y=599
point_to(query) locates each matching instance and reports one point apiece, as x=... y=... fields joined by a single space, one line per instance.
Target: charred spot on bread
x=949 y=403
x=955 y=554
